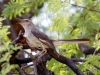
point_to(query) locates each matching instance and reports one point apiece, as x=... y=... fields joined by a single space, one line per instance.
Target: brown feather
x=43 y=38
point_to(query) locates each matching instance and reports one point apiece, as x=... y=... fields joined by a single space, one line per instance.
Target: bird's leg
x=43 y=52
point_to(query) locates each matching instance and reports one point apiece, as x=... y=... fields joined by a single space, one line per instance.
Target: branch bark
x=87 y=50
x=66 y=61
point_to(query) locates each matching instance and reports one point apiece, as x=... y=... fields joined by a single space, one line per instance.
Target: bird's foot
x=42 y=53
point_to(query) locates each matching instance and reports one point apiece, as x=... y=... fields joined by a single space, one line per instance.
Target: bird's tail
x=60 y=42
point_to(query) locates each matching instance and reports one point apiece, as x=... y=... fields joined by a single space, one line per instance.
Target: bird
x=36 y=38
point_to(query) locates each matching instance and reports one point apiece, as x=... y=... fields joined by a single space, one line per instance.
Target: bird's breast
x=33 y=41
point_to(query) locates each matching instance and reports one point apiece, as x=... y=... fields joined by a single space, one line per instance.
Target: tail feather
x=60 y=42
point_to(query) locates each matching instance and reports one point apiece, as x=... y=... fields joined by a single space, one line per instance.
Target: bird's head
x=25 y=22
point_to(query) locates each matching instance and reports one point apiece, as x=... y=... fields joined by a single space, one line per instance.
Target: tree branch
x=85 y=8
x=87 y=50
x=66 y=61
x=78 y=60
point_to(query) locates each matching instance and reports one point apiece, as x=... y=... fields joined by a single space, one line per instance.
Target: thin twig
x=85 y=8
x=24 y=67
x=34 y=61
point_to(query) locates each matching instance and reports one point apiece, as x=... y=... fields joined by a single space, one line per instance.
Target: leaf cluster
x=84 y=23
x=17 y=7
x=6 y=49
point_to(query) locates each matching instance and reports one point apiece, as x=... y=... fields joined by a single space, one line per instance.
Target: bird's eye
x=26 y=20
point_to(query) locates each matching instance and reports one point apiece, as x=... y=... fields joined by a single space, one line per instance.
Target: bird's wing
x=43 y=38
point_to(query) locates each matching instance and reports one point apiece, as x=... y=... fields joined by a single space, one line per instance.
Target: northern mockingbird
x=38 y=39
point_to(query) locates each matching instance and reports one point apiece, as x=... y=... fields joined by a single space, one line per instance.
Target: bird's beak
x=20 y=21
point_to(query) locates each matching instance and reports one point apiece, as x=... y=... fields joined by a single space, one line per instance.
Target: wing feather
x=43 y=38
